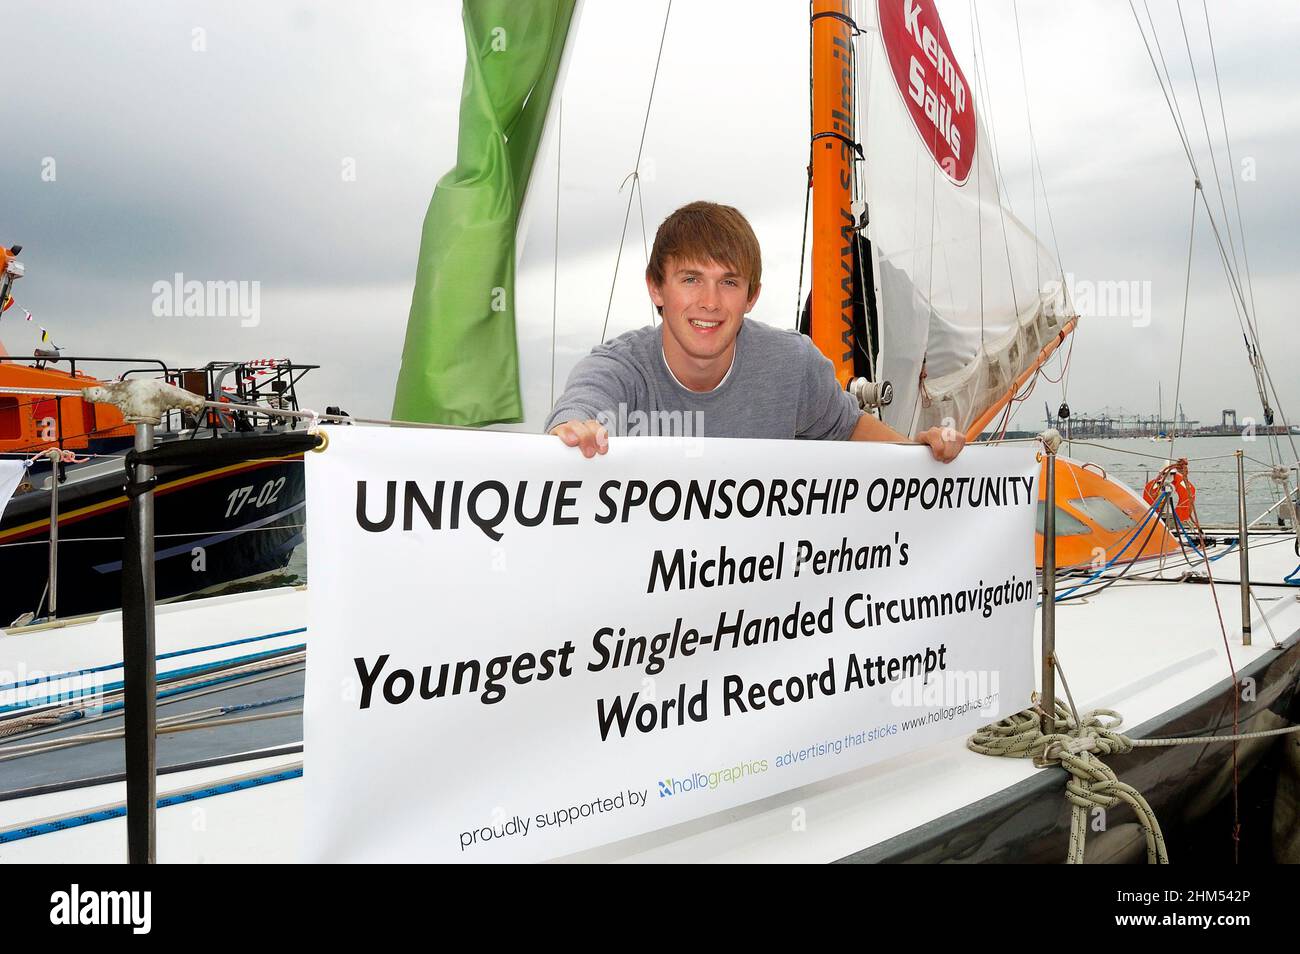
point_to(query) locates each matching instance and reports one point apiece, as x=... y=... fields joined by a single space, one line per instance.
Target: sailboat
x=958 y=307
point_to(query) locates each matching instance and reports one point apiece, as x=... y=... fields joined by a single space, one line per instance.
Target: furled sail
x=967 y=295
x=459 y=363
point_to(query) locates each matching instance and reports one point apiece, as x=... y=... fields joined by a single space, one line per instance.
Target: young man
x=737 y=378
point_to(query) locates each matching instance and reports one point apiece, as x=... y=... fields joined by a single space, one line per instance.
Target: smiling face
x=703 y=305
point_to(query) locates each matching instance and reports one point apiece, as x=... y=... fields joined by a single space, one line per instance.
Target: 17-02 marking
x=238 y=497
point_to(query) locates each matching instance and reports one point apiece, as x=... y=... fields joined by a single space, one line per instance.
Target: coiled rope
x=1077 y=745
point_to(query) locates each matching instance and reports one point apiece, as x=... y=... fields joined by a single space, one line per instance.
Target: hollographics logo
x=699 y=781
x=74 y=907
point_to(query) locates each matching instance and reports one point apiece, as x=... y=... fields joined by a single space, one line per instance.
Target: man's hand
x=945 y=443
x=590 y=436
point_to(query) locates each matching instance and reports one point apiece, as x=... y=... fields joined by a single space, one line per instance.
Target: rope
x=187 y=695
x=1077 y=746
x=188 y=722
x=112 y=696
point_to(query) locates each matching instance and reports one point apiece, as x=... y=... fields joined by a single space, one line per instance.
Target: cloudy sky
x=297 y=144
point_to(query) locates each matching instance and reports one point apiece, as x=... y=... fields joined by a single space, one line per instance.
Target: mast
x=833 y=149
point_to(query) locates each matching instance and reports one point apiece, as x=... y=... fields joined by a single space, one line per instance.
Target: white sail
x=963 y=287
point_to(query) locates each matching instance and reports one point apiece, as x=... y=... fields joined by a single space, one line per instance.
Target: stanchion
x=1243 y=548
x=140 y=668
x=1051 y=440
x=55 y=462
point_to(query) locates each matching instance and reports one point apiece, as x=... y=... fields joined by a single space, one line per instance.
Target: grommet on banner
x=313 y=428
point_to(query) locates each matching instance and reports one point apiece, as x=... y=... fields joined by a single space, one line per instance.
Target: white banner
x=518 y=653
x=11 y=475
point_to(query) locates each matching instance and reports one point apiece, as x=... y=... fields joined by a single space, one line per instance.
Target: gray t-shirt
x=779 y=386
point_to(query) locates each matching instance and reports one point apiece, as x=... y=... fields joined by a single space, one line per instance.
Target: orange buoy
x=1184 y=490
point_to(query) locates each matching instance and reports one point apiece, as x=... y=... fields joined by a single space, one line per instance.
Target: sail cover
x=967 y=295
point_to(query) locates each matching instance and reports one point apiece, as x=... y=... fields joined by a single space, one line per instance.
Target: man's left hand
x=945 y=442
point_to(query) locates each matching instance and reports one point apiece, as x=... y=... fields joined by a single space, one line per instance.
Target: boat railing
x=272 y=382
x=44 y=358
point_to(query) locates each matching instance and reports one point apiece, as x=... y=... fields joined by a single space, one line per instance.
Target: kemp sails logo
x=933 y=86
x=76 y=907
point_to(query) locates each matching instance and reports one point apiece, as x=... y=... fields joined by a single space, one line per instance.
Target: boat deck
x=1151 y=648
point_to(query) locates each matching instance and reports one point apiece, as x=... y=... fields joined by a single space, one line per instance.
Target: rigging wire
x=1171 y=97
x=1209 y=142
x=1263 y=376
x=1232 y=167
x=635 y=175
x=979 y=192
x=1029 y=123
x=1035 y=157
x=645 y=249
x=997 y=161
x=555 y=266
x=1251 y=318
x=1182 y=338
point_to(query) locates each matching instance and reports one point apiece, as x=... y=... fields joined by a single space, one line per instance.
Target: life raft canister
x=1185 y=491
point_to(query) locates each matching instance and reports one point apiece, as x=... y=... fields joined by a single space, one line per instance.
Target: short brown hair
x=707 y=232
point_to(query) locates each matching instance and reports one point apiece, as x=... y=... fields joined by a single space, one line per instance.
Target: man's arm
x=596 y=387
x=944 y=443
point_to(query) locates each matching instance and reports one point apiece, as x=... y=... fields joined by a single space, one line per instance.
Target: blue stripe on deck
x=167 y=801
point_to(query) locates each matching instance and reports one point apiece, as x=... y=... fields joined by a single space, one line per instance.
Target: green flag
x=460 y=364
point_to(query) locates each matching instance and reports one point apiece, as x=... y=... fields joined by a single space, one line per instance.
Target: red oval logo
x=935 y=90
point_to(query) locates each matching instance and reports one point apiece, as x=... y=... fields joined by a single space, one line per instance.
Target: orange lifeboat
x=33 y=423
x=1098 y=519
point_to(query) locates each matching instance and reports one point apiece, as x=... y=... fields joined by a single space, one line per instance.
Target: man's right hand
x=590 y=436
